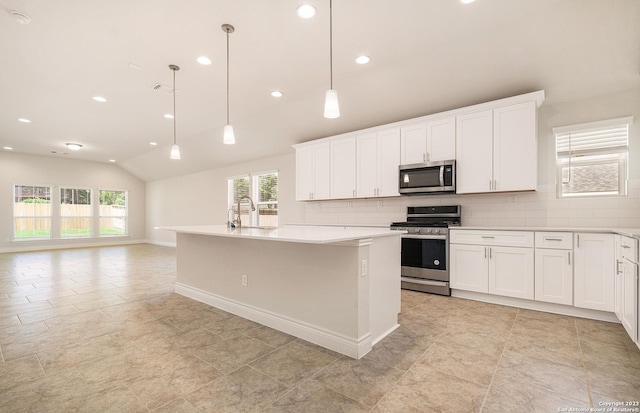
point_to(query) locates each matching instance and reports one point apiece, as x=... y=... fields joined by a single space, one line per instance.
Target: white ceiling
x=427 y=56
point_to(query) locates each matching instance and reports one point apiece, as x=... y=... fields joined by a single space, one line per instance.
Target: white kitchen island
x=337 y=287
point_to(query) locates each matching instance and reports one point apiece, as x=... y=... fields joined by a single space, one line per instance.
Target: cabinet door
x=474 y=152
x=413 y=144
x=469 y=267
x=618 y=284
x=630 y=299
x=515 y=148
x=304 y=173
x=441 y=139
x=367 y=148
x=593 y=278
x=554 y=276
x=511 y=272
x=321 y=171
x=388 y=162
x=343 y=168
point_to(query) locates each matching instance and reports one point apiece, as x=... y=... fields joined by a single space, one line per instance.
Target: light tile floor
x=100 y=330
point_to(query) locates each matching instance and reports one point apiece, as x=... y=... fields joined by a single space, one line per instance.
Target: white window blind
x=592 y=158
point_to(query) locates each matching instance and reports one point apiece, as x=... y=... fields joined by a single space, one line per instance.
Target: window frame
x=618 y=153
x=124 y=217
x=90 y=217
x=51 y=189
x=254 y=188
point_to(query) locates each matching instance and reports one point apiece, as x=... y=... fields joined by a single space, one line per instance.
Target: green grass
x=68 y=233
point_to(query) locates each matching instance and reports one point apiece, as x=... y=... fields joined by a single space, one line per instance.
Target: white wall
x=524 y=209
x=201 y=198
x=22 y=169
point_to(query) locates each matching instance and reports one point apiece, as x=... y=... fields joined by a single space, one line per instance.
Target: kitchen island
x=337 y=287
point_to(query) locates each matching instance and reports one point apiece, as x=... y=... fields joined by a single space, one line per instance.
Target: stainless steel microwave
x=428 y=178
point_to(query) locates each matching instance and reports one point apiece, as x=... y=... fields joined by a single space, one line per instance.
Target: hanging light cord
x=227 y=76
x=174 y=106
x=331 y=43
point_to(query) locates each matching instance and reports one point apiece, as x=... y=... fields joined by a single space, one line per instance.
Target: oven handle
x=424 y=282
x=442 y=237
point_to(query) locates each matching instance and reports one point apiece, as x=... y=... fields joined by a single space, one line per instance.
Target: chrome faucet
x=237 y=221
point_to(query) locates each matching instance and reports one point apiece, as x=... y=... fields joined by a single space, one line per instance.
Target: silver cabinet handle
x=625 y=246
x=490 y=188
x=617 y=267
x=489 y=252
x=552 y=239
x=424 y=157
x=485 y=252
x=487 y=236
x=354 y=193
x=569 y=256
x=495 y=185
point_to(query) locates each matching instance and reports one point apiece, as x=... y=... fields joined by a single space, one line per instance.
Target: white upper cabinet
x=413 y=144
x=312 y=171
x=515 y=148
x=496 y=149
x=377 y=163
x=430 y=141
x=343 y=168
x=474 y=152
x=441 y=139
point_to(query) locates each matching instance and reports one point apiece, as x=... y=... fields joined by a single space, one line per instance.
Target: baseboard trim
x=537 y=305
x=314 y=334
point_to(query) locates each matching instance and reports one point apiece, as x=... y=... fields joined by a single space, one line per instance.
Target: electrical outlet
x=364 y=268
x=514 y=199
x=379 y=204
x=245 y=280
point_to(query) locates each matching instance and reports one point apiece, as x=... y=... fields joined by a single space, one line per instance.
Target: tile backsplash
x=515 y=209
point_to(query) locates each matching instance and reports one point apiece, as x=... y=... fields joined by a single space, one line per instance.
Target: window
x=263 y=190
x=113 y=213
x=76 y=215
x=266 y=196
x=591 y=158
x=32 y=212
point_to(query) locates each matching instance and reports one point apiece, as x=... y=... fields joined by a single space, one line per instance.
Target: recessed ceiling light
x=363 y=60
x=306 y=11
x=204 y=60
x=277 y=94
x=153 y=143
x=168 y=116
x=20 y=17
x=112 y=160
x=24 y=120
x=74 y=146
x=99 y=99
x=466 y=1
x=7 y=148
x=135 y=66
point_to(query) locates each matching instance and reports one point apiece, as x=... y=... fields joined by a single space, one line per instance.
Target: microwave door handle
x=442 y=176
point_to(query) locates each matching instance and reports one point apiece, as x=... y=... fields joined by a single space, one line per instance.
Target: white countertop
x=301 y=234
x=629 y=232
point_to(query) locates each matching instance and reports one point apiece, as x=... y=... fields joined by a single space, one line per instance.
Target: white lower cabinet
x=594 y=271
x=511 y=272
x=554 y=267
x=469 y=268
x=484 y=261
x=626 y=285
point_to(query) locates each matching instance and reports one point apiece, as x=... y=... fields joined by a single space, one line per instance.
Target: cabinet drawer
x=497 y=238
x=629 y=248
x=556 y=240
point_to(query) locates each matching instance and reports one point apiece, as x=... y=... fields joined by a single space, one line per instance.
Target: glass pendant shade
x=175 y=151
x=331 y=107
x=229 y=137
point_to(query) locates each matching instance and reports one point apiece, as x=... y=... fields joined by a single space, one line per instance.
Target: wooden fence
x=74 y=217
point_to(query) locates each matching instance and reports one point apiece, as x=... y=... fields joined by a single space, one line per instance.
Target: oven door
x=425 y=256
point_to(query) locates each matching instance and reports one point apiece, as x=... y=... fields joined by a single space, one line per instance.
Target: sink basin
x=253 y=227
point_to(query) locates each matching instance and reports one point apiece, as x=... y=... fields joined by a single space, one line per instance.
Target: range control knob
x=416 y=230
x=436 y=231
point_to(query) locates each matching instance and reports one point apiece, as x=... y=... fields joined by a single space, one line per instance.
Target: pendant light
x=331 y=107
x=175 y=149
x=229 y=138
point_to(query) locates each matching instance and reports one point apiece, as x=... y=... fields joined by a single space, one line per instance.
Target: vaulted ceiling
x=426 y=56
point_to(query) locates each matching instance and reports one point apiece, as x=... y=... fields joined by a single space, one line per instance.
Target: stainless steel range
x=425 y=249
